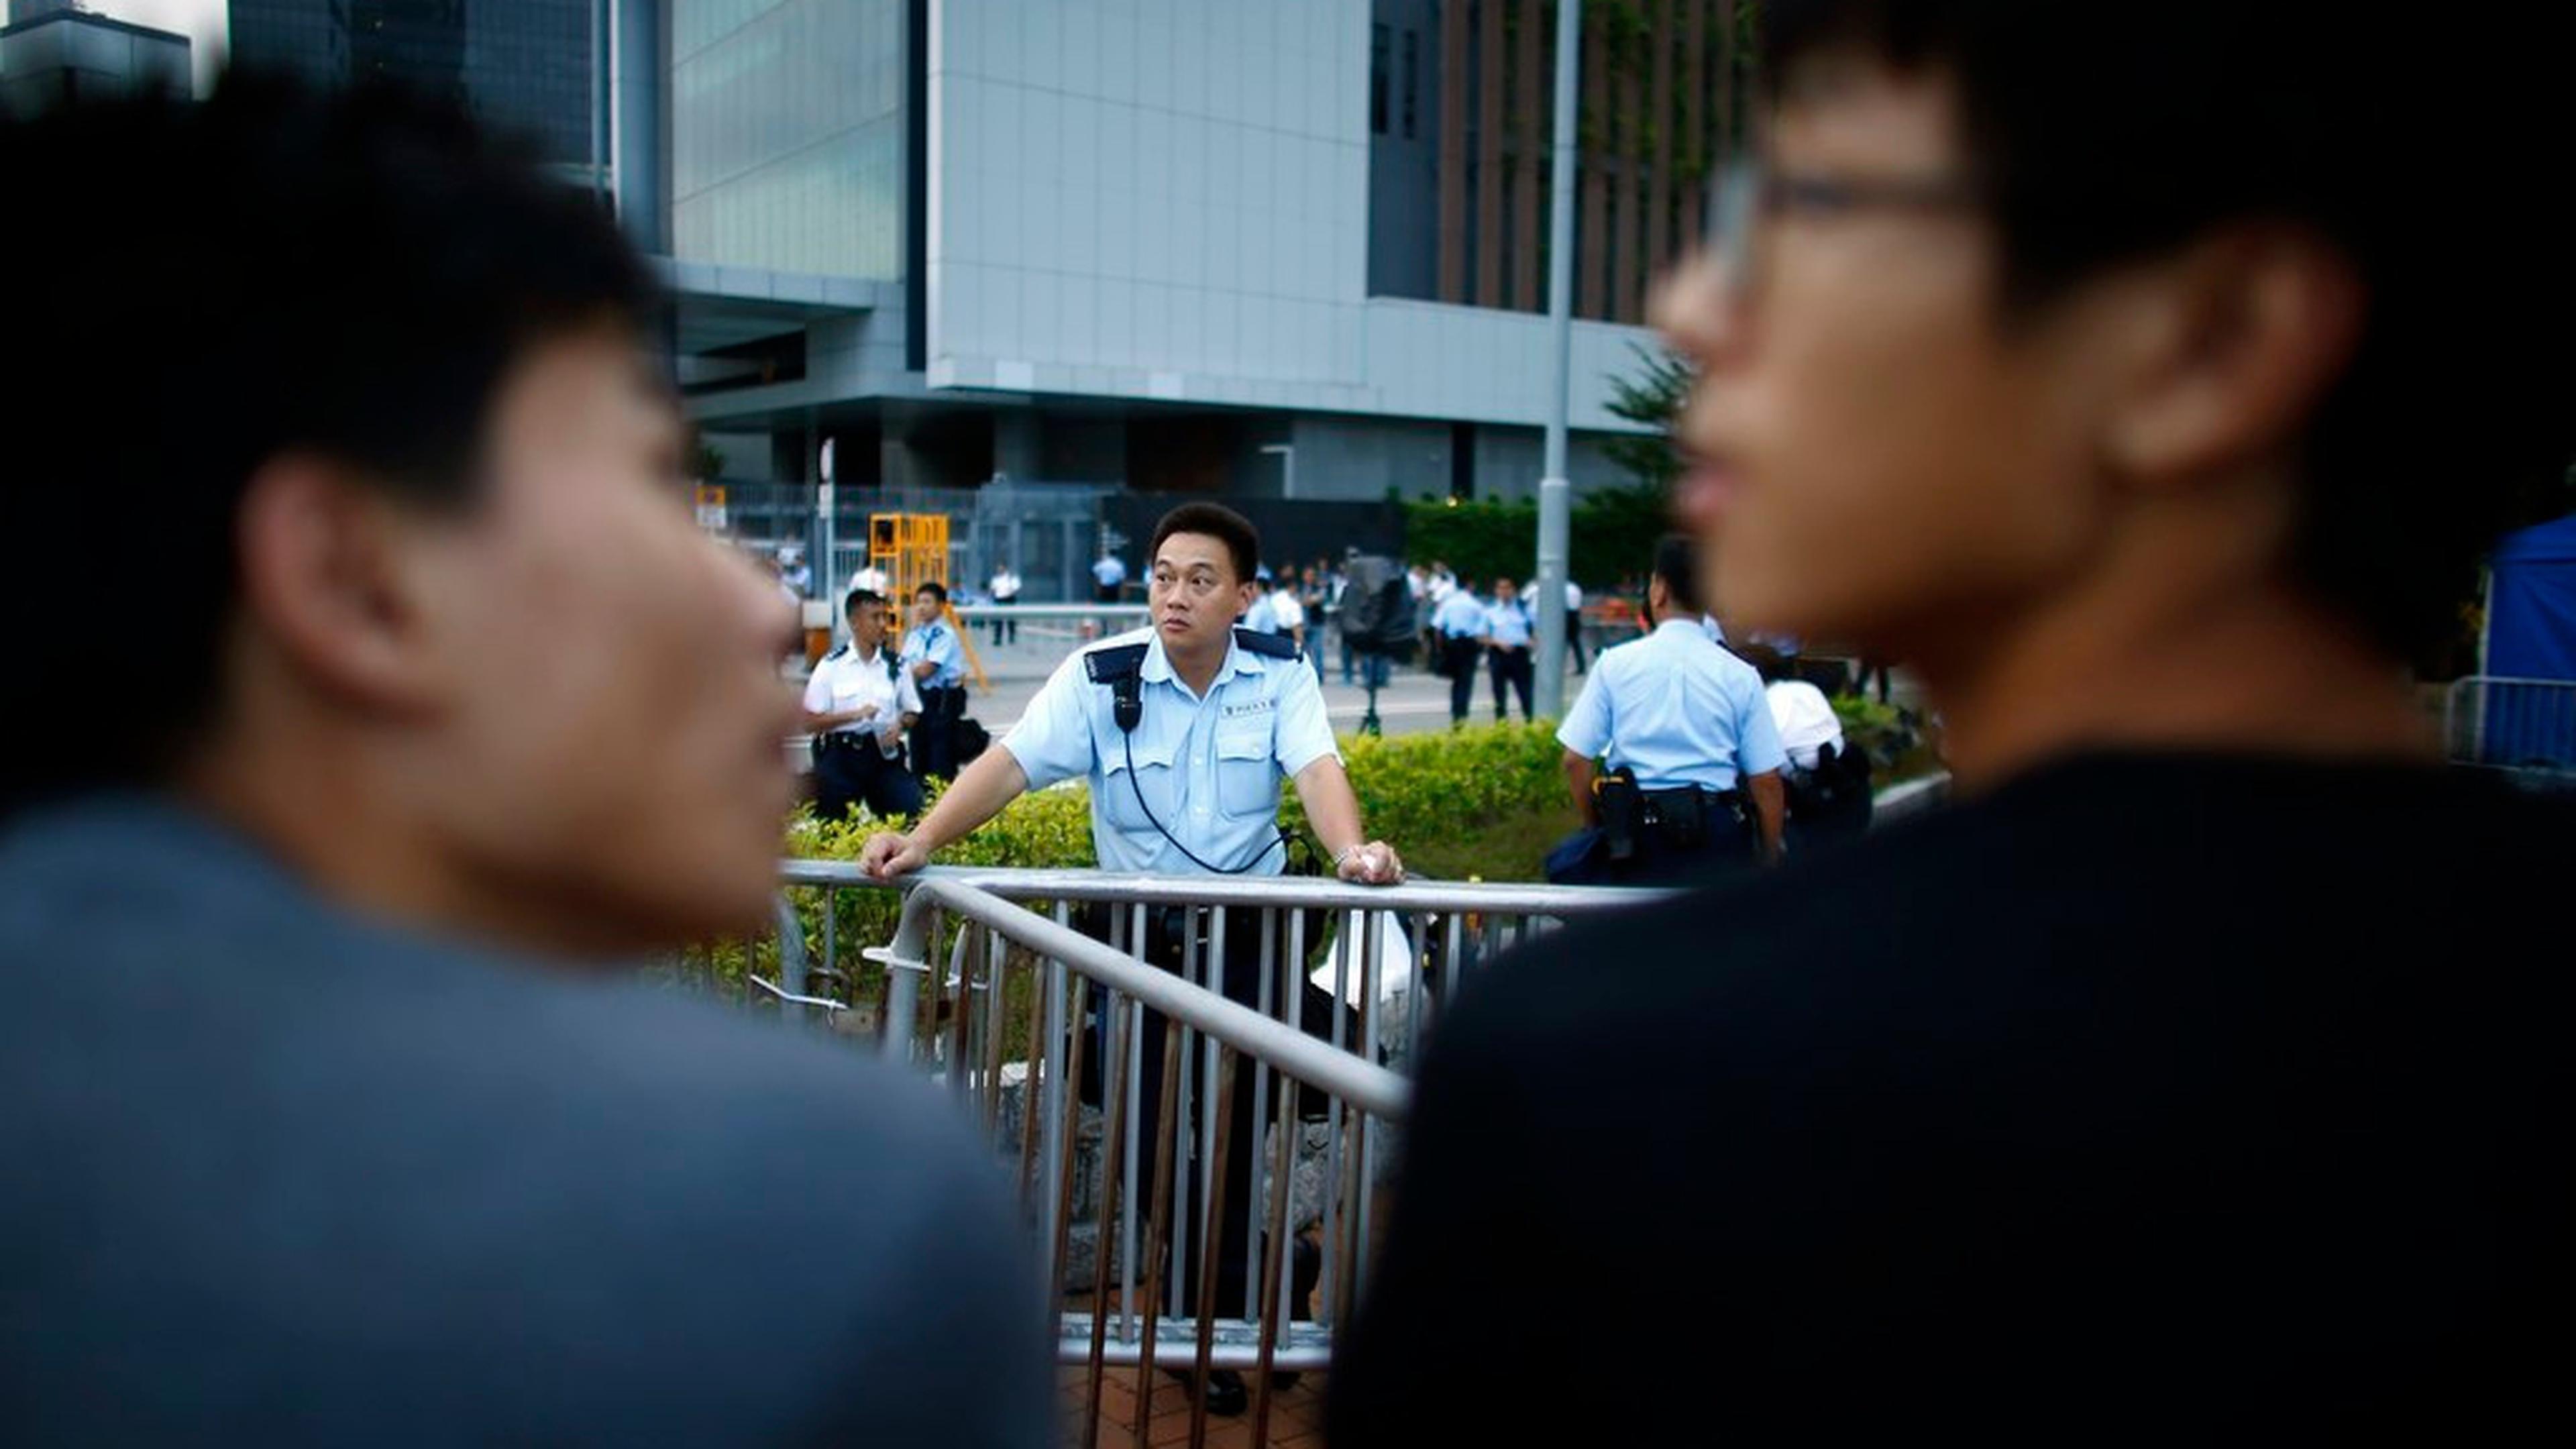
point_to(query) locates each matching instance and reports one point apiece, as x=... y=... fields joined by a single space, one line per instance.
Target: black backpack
x=1377 y=607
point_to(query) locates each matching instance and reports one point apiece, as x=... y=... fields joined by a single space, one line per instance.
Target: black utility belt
x=1686 y=799
x=850 y=740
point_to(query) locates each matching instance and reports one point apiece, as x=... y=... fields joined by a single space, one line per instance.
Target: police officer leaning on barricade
x=937 y=665
x=1694 y=781
x=1184 y=729
x=857 y=706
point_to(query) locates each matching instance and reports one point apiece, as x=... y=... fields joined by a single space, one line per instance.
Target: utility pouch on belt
x=1622 y=808
x=1680 y=816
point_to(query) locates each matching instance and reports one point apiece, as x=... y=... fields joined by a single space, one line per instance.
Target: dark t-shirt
x=2148 y=1097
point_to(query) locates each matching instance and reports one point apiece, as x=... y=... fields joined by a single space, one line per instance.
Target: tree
x=1655 y=400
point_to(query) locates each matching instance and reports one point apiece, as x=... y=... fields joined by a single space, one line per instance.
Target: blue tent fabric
x=2531 y=604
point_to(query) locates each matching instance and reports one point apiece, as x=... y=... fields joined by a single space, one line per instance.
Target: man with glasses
x=2148 y=381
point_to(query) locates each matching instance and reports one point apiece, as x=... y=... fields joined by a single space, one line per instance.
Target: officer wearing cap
x=857 y=706
x=1184 y=730
x=937 y=666
x=1694 y=758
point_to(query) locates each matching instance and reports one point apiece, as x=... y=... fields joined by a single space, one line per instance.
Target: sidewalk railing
x=1144 y=1184
x=2514 y=724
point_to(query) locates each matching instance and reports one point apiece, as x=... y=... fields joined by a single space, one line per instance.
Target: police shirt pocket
x=1247 y=782
x=1151 y=777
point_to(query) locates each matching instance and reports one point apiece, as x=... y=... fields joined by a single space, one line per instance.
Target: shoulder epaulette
x=1274 y=645
x=1119 y=661
x=837 y=653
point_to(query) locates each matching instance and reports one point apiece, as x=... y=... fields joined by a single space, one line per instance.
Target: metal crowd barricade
x=2512 y=724
x=988 y=984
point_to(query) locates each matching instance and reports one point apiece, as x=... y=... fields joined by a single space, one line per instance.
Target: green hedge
x=1612 y=536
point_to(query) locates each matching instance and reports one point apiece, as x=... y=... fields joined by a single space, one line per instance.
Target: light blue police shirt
x=1677 y=709
x=1262 y=617
x=1460 y=616
x=1208 y=768
x=936 y=642
x=1508 y=625
x=1110 y=571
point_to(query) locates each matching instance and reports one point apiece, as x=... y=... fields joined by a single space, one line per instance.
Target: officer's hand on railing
x=888 y=855
x=1375 y=863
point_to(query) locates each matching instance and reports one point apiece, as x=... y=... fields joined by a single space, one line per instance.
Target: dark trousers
x=849 y=769
x=1164 y=944
x=1109 y=592
x=1574 y=637
x=1005 y=627
x=1458 y=656
x=1511 y=666
x=934 y=738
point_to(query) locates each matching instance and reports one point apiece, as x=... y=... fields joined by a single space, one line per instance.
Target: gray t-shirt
x=278 y=1174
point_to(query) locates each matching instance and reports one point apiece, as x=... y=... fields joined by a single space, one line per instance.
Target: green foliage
x=1612 y=534
x=1653 y=399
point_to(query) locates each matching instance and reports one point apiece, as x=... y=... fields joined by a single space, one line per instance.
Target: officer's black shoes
x=1224 y=1390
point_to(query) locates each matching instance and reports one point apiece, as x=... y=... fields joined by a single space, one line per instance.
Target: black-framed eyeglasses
x=1748 y=193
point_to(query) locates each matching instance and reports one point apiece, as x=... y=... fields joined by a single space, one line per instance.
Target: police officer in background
x=857 y=706
x=1184 y=730
x=1694 y=778
x=937 y=665
x=1507 y=647
x=1458 y=627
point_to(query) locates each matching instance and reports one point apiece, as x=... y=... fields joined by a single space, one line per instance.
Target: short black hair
x=1242 y=541
x=2103 y=134
x=859 y=597
x=212 y=285
x=932 y=587
x=1677 y=564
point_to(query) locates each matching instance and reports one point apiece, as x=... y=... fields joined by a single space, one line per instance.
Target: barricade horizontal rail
x=1196 y=1078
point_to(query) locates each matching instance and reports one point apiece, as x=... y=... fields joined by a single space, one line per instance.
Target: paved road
x=1414 y=700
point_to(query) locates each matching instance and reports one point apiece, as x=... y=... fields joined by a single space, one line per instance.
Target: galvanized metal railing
x=1150 y=1196
x=2511 y=724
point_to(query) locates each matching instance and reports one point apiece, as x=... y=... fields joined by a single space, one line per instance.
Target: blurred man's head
x=432 y=614
x=2217 y=294
x=1504 y=589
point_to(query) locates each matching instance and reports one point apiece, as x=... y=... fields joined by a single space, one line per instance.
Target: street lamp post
x=1554 y=492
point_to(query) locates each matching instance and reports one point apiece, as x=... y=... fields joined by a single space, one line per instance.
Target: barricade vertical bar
x=1159 y=1234
x=1260 y=1099
x=1275 y=1312
x=1223 y=1102
x=1131 y=1088
x=1372 y=1010
x=1064 y=1120
x=1178 y=1140
x=995 y=959
x=1417 y=995
x=1058 y=1021
x=1033 y=1053
x=1333 y=1113
x=961 y=1012
x=1282 y=1251
x=831 y=927
x=1454 y=961
x=1214 y=963
x=1111 y=1140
